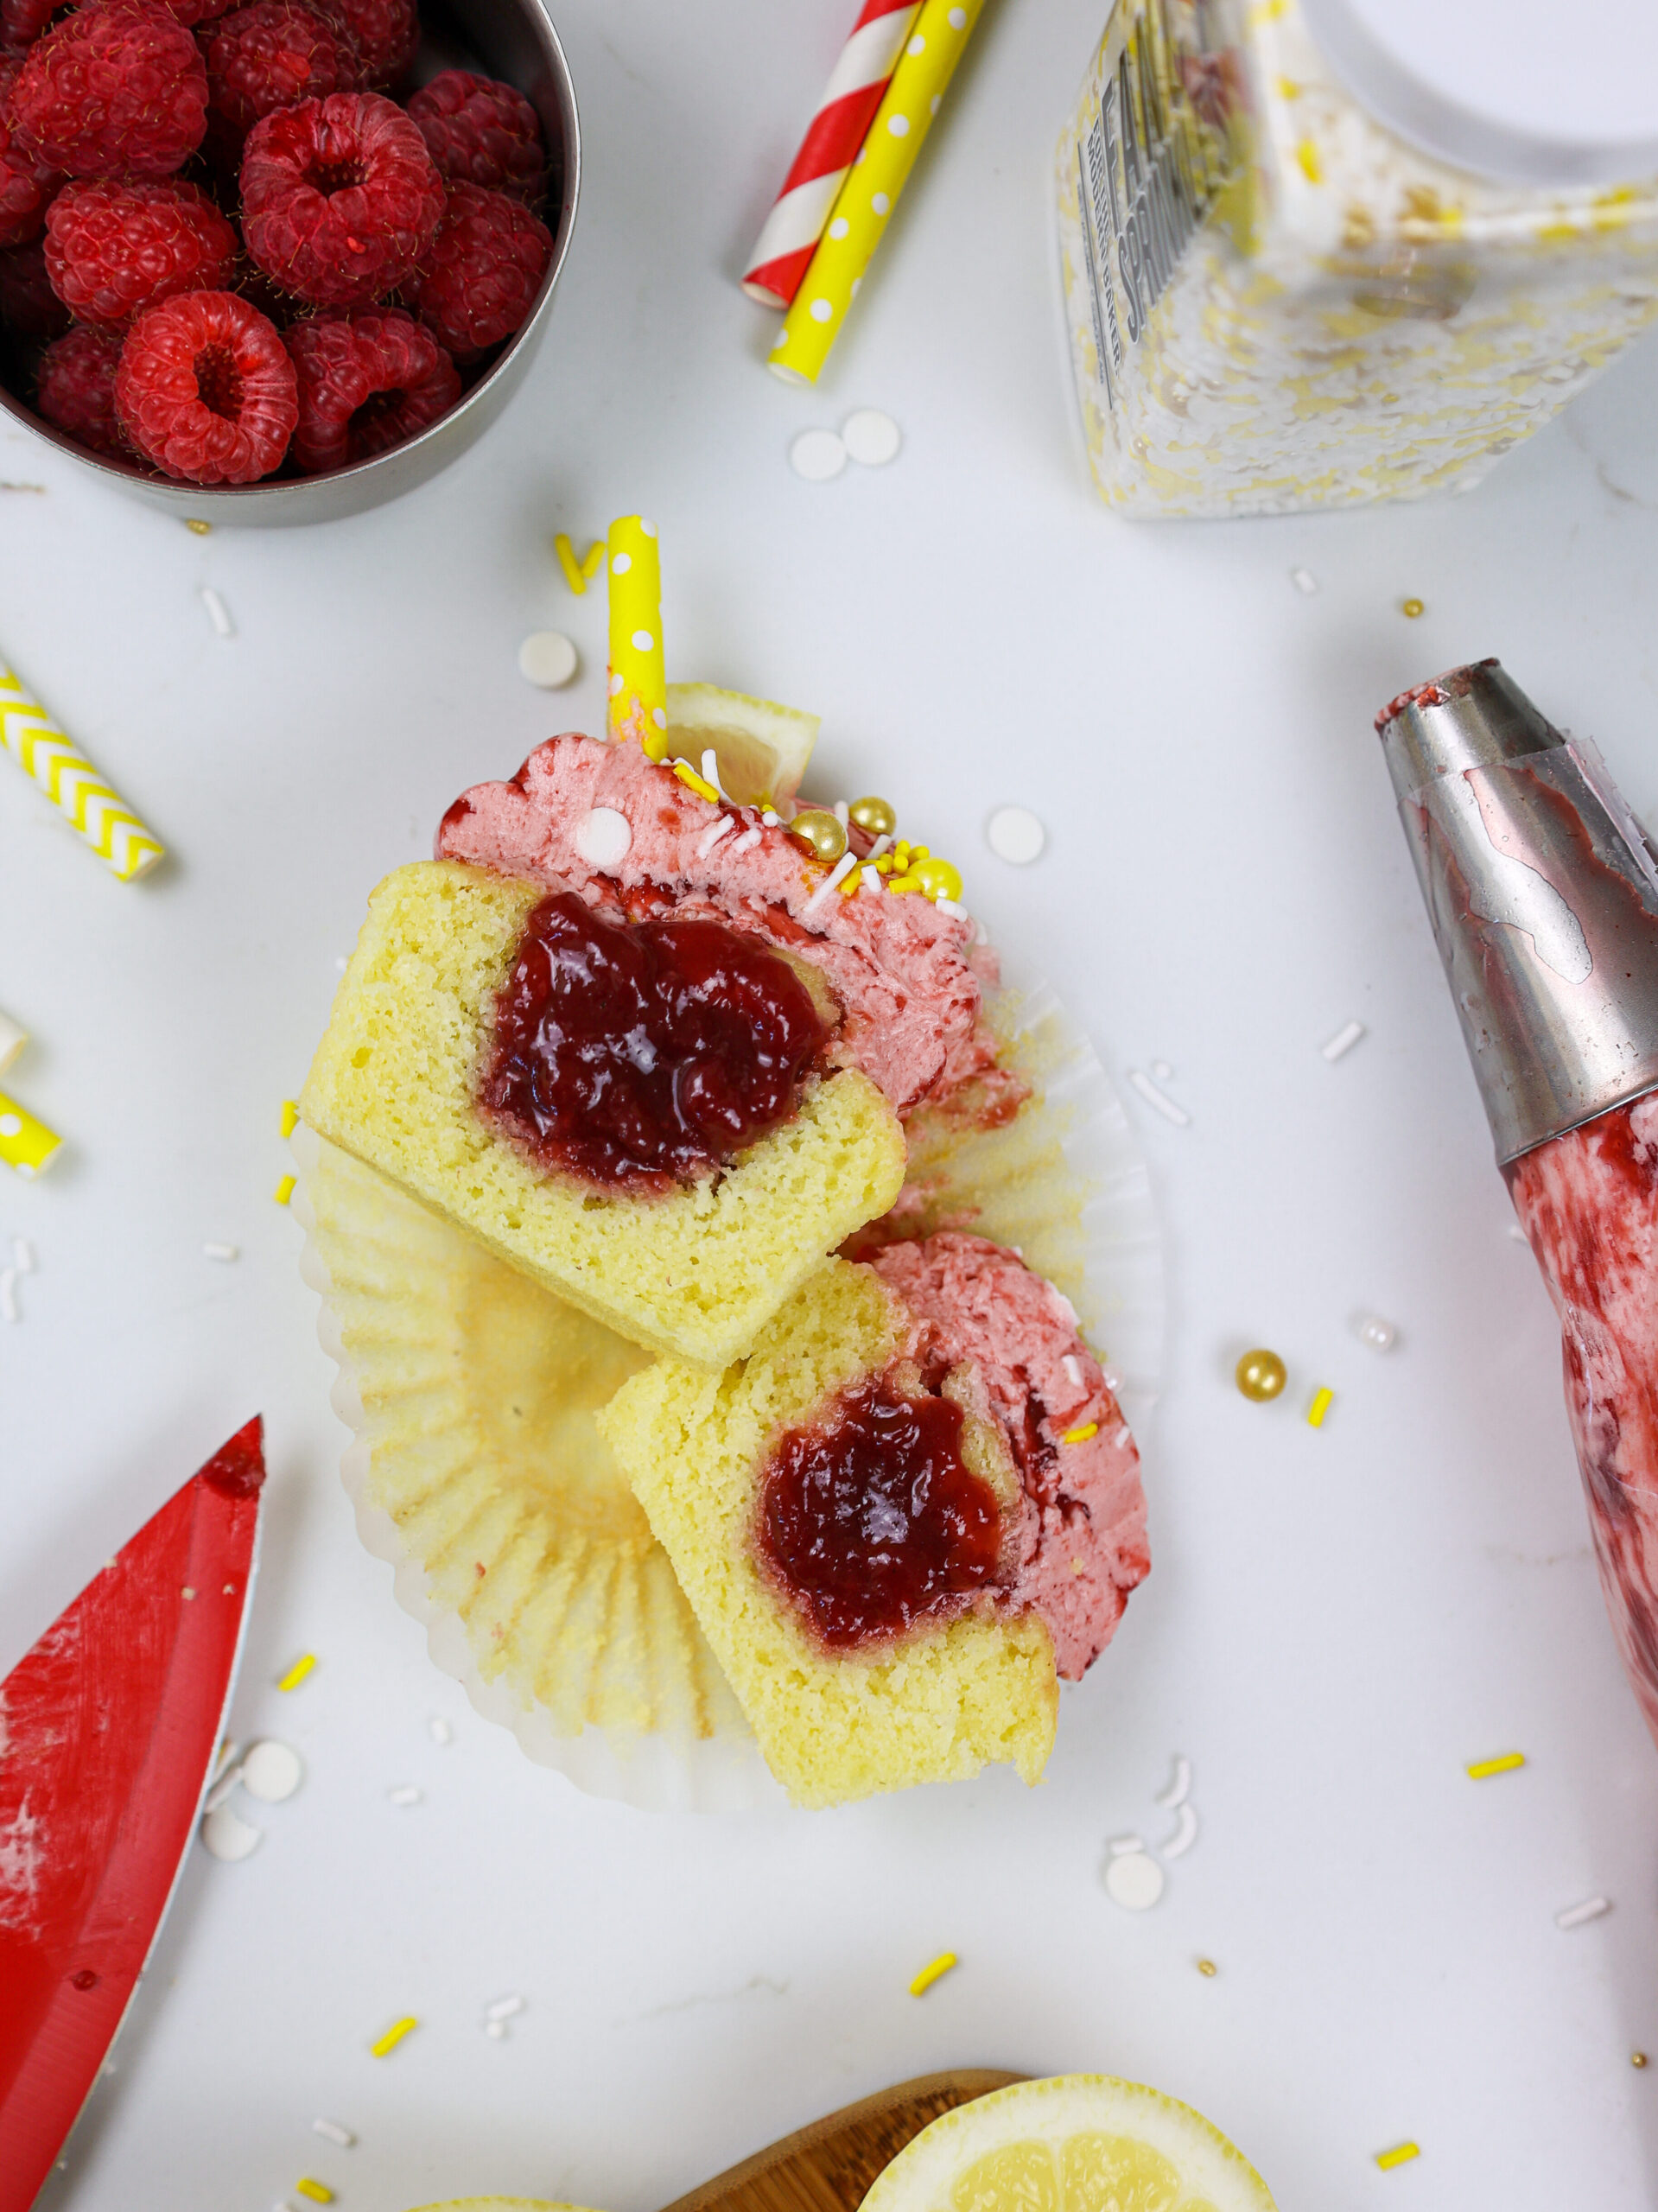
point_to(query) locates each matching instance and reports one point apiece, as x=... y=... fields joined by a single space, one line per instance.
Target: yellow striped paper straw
x=872 y=185
x=73 y=785
x=639 y=683
x=25 y=1144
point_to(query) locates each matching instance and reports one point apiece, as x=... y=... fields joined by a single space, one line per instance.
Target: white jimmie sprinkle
x=218 y=613
x=1342 y=1042
x=1574 y=1916
x=1160 y=1099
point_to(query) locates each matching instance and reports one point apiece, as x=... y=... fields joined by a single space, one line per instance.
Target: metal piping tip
x=1542 y=891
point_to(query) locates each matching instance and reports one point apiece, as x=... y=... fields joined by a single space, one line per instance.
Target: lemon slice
x=1079 y=2142
x=762 y=748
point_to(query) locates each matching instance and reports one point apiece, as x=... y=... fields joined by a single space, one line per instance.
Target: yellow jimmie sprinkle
x=934 y=1970
x=290 y=1116
x=1208 y=1969
x=1313 y=168
x=567 y=561
x=1322 y=1402
x=1506 y=1764
x=1080 y=1435
x=1401 y=2155
x=853 y=884
x=593 y=559
x=284 y=1190
x=393 y=2035
x=296 y=1673
x=902 y=883
x=200 y=528
x=318 y=2192
x=700 y=784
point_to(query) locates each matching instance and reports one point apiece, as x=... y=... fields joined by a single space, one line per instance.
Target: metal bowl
x=515 y=40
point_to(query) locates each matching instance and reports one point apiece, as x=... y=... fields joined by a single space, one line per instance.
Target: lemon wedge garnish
x=762 y=748
x=1079 y=2142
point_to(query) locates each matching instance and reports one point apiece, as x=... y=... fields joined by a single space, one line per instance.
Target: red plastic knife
x=108 y=1731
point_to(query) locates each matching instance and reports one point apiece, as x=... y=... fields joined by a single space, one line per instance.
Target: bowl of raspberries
x=272 y=261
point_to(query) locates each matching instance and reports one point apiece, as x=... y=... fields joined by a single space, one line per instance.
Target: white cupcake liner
x=536 y=1577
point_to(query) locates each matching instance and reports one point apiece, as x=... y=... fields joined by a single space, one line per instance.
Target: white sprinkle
x=1304 y=582
x=1185 y=1834
x=1372 y=1330
x=1179 y=1785
x=1073 y=1368
x=9 y=1308
x=407 y=1795
x=221 y=1251
x=1517 y=1233
x=1343 y=1040
x=818 y=455
x=871 y=879
x=224 y=1787
x=603 y=837
x=879 y=846
x=1133 y=1880
x=22 y=1255
x=722 y=828
x=836 y=876
x=842 y=813
x=495 y=2029
x=872 y=439
x=953 y=907
x=745 y=843
x=331 y=2132
x=711 y=769
x=340 y=962
x=1161 y=1070
x=546 y=659
x=441 y=1730
x=272 y=1771
x=218 y=613
x=227 y=1835
x=1166 y=1106
x=1575 y=1915
x=1015 y=835
x=770 y=819
x=503 y=2008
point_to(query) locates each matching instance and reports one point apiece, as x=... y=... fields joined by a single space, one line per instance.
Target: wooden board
x=830 y=2166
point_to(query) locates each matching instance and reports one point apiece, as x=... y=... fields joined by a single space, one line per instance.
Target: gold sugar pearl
x=821 y=834
x=876 y=817
x=1411 y=607
x=1261 y=1375
x=1637 y=2058
x=937 y=879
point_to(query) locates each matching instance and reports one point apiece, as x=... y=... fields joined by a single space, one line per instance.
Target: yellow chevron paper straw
x=873 y=182
x=25 y=1144
x=73 y=785
x=639 y=684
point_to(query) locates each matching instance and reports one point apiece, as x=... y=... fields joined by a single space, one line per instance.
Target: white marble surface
x=1337 y=1620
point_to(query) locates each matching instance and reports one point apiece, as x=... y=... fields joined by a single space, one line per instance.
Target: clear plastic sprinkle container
x=1319 y=253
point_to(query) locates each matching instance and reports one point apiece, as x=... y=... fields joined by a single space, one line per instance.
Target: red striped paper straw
x=795 y=223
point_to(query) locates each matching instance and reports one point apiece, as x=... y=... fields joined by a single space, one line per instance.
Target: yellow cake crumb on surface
x=939 y=1704
x=693 y=1274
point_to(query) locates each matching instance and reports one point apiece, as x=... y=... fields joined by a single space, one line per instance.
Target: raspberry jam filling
x=874 y=1521
x=641 y=1055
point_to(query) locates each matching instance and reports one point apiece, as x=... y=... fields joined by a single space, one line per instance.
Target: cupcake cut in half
x=911 y=1509
x=635 y=1108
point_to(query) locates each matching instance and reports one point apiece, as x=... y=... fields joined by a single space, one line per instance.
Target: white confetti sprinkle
x=1372 y=1330
x=441 y=1730
x=871 y=438
x=218 y=613
x=272 y=1771
x=227 y=1835
x=548 y=659
x=1179 y=1785
x=406 y=1795
x=1185 y=1834
x=10 y=1310
x=331 y=2132
x=221 y=1251
x=1304 y=582
x=746 y=843
x=503 y=2008
x=603 y=837
x=1165 y=1105
x=1015 y=835
x=1343 y=1040
x=722 y=827
x=1575 y=1915
x=22 y=1255
x=770 y=819
x=1133 y=1880
x=817 y=456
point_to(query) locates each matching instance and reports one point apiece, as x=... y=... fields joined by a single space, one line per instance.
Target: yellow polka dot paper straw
x=639 y=684
x=25 y=1144
x=73 y=785
x=873 y=184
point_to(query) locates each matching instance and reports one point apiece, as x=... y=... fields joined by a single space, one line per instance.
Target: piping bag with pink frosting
x=1543 y=893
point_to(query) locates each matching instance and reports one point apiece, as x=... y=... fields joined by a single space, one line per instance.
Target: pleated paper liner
x=477 y=1471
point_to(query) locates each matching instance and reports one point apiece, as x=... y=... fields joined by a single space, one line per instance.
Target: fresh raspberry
x=112 y=248
x=119 y=86
x=22 y=22
x=28 y=306
x=27 y=183
x=268 y=56
x=366 y=382
x=206 y=390
x=385 y=34
x=479 y=131
x=339 y=198
x=74 y=387
x=480 y=281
